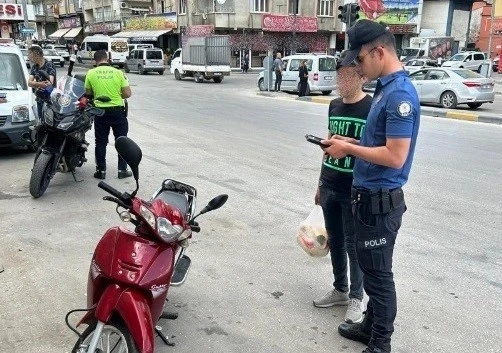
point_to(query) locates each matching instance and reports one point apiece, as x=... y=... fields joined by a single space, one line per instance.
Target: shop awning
x=59 y=33
x=142 y=35
x=73 y=32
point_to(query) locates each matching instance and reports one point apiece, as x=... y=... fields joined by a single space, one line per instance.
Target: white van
x=145 y=60
x=322 y=75
x=139 y=46
x=117 y=47
x=17 y=103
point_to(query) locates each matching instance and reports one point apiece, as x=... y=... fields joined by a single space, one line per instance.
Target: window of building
x=325 y=7
x=38 y=8
x=183 y=7
x=259 y=5
x=294 y=7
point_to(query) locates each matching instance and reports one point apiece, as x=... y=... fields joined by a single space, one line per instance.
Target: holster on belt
x=382 y=201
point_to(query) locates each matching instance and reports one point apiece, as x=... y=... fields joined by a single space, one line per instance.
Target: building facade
x=482 y=25
x=12 y=17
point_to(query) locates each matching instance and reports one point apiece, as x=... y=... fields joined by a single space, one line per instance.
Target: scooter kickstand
x=163 y=337
x=75 y=177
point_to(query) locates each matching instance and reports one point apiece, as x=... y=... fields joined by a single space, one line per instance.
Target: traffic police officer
x=383 y=161
x=107 y=81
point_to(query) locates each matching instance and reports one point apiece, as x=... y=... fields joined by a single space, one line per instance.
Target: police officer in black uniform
x=384 y=156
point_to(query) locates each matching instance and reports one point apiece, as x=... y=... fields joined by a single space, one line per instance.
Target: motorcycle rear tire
x=41 y=174
x=114 y=326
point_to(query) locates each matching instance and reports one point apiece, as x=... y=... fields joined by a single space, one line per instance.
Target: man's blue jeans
x=339 y=222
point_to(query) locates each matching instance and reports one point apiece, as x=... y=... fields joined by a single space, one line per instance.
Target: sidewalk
x=459 y=114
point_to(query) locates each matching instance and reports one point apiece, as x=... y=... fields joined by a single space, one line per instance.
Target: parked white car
x=471 y=60
x=17 y=113
x=322 y=74
x=450 y=87
x=60 y=49
x=52 y=55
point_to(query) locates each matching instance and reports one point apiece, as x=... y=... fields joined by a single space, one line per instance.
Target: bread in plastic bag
x=312 y=236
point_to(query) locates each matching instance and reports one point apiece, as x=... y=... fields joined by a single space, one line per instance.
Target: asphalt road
x=251 y=287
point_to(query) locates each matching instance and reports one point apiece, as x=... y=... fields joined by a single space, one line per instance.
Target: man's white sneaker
x=332 y=298
x=354 y=314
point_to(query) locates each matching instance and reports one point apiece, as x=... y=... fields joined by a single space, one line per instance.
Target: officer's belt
x=115 y=108
x=382 y=201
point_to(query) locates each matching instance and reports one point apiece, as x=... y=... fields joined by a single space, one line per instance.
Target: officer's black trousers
x=375 y=239
x=114 y=119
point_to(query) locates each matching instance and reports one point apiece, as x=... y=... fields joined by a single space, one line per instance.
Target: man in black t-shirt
x=347 y=117
x=38 y=63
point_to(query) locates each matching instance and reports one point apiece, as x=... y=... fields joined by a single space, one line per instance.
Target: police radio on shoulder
x=316 y=140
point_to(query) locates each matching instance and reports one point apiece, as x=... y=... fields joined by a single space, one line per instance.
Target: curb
x=430 y=111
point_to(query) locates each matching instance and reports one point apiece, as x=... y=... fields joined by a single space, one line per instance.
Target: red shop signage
x=275 y=23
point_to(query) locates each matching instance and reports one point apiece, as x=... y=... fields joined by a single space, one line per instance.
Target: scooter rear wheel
x=115 y=338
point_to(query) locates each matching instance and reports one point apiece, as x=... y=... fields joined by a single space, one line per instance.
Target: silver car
x=450 y=87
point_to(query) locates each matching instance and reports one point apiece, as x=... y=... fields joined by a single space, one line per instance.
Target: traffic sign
x=28 y=30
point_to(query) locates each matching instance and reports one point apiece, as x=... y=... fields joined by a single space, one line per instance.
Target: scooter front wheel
x=115 y=338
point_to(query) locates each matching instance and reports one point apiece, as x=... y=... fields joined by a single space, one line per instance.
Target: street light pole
x=27 y=36
x=490 y=34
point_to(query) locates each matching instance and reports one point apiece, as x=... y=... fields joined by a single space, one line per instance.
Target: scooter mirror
x=130 y=151
x=216 y=203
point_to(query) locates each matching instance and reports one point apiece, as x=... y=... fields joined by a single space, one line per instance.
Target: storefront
x=284 y=34
x=156 y=29
x=12 y=20
x=70 y=30
x=106 y=28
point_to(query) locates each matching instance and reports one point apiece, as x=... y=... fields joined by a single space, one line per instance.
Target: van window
x=154 y=55
x=11 y=72
x=95 y=46
x=134 y=54
x=479 y=57
x=295 y=64
x=327 y=64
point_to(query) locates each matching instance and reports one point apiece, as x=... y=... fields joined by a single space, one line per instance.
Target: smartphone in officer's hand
x=316 y=140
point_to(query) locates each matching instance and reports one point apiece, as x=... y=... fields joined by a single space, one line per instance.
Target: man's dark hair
x=100 y=55
x=37 y=51
x=386 y=40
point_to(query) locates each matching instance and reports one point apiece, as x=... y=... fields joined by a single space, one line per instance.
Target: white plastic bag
x=312 y=236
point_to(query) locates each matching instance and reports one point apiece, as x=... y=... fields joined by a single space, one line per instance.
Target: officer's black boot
x=360 y=332
x=378 y=345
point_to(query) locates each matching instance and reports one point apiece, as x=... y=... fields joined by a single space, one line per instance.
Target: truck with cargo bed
x=203 y=58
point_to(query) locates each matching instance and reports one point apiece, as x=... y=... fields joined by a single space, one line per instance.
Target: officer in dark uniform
x=383 y=161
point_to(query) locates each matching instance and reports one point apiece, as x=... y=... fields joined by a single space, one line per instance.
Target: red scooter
x=132 y=270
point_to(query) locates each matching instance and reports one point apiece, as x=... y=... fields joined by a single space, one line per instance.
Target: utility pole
x=490 y=34
x=26 y=35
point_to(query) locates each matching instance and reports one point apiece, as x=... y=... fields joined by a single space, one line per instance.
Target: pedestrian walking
x=246 y=64
x=278 y=68
x=303 y=73
x=105 y=80
x=384 y=157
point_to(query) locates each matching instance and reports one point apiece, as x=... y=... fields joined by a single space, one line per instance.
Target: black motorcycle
x=67 y=115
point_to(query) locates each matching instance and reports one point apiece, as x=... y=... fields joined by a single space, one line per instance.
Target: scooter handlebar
x=111 y=190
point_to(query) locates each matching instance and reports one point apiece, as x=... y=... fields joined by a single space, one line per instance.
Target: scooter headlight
x=148 y=216
x=167 y=231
